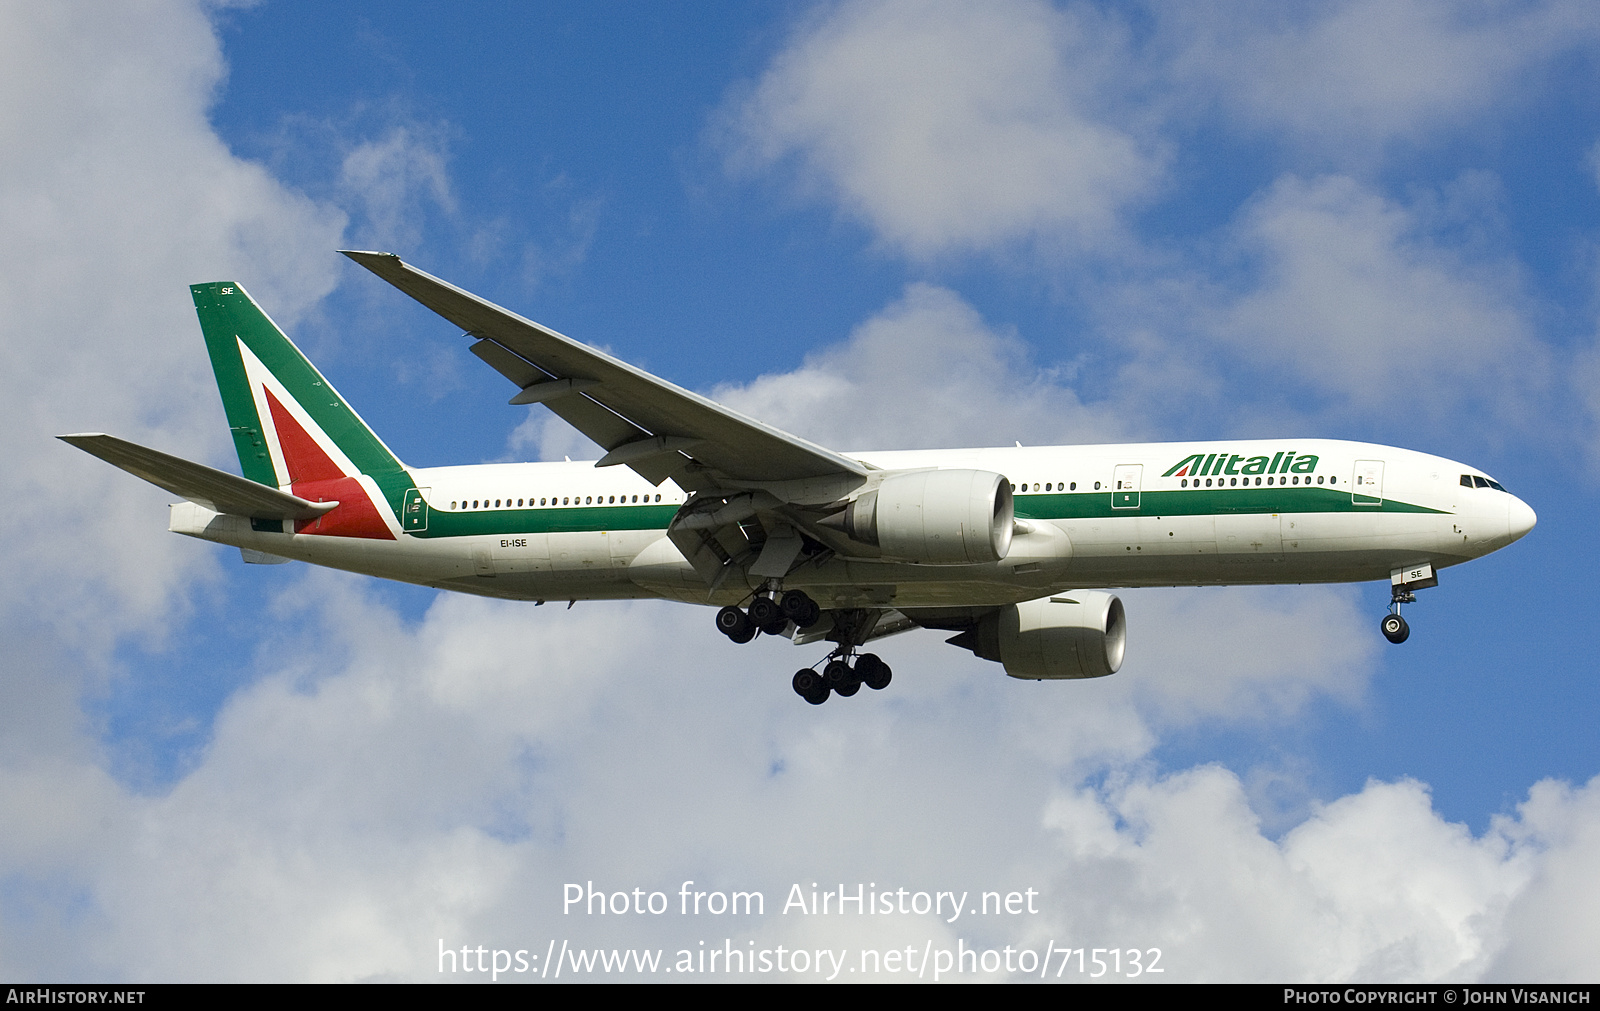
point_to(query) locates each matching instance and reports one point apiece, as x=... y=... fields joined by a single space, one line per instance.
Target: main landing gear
x=844 y=672
x=838 y=676
x=768 y=615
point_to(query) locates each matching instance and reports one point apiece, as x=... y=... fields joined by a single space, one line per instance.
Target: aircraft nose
x=1520 y=518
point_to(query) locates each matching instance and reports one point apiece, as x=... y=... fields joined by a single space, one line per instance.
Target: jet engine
x=1078 y=634
x=936 y=517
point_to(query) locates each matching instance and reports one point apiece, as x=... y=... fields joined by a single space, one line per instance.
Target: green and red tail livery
x=291 y=428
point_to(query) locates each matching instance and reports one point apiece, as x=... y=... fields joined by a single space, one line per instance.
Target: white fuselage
x=1157 y=514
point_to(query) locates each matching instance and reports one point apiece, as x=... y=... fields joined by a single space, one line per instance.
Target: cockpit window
x=1476 y=481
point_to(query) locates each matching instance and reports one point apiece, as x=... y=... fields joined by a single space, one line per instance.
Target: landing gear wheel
x=1395 y=629
x=799 y=608
x=776 y=626
x=808 y=684
x=849 y=687
x=875 y=674
x=764 y=611
x=836 y=673
x=734 y=624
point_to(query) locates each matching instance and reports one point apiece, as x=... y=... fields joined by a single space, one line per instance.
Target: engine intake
x=936 y=517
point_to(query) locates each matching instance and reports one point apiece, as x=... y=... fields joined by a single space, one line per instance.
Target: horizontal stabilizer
x=215 y=489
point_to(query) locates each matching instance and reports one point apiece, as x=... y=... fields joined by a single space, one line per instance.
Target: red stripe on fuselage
x=314 y=476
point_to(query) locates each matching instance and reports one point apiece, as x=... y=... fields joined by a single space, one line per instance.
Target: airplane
x=1012 y=549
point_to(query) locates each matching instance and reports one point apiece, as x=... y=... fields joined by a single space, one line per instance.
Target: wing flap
x=632 y=403
x=215 y=489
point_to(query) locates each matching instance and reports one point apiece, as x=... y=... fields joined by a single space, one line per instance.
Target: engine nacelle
x=936 y=517
x=1078 y=634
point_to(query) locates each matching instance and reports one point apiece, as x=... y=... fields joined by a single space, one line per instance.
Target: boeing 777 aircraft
x=697 y=503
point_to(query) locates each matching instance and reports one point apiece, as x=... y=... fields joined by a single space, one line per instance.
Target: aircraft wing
x=217 y=490
x=647 y=423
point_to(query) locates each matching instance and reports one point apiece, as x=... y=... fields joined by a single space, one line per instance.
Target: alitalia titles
x=1208 y=464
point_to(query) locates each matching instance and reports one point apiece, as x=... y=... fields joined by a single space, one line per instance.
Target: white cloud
x=1325 y=300
x=1356 y=299
x=1346 y=78
x=926 y=372
x=116 y=196
x=1373 y=887
x=393 y=179
x=1359 y=301
x=957 y=129
x=953 y=126
x=383 y=785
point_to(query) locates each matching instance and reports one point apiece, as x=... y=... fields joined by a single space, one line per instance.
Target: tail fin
x=291 y=428
x=289 y=425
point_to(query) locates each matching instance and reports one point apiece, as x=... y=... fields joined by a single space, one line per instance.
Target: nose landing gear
x=1401 y=584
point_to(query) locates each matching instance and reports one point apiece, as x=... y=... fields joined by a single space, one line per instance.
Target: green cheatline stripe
x=553 y=520
x=1204 y=502
x=589 y=519
x=226 y=316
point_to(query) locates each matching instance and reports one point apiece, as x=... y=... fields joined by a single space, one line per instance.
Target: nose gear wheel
x=1393 y=626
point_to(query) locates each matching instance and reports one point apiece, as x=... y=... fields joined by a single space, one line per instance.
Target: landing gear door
x=1125 y=481
x=414 y=511
x=1366 y=487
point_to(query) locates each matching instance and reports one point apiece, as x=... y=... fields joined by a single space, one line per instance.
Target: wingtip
x=358 y=254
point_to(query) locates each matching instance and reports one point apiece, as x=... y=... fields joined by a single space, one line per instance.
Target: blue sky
x=1054 y=224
